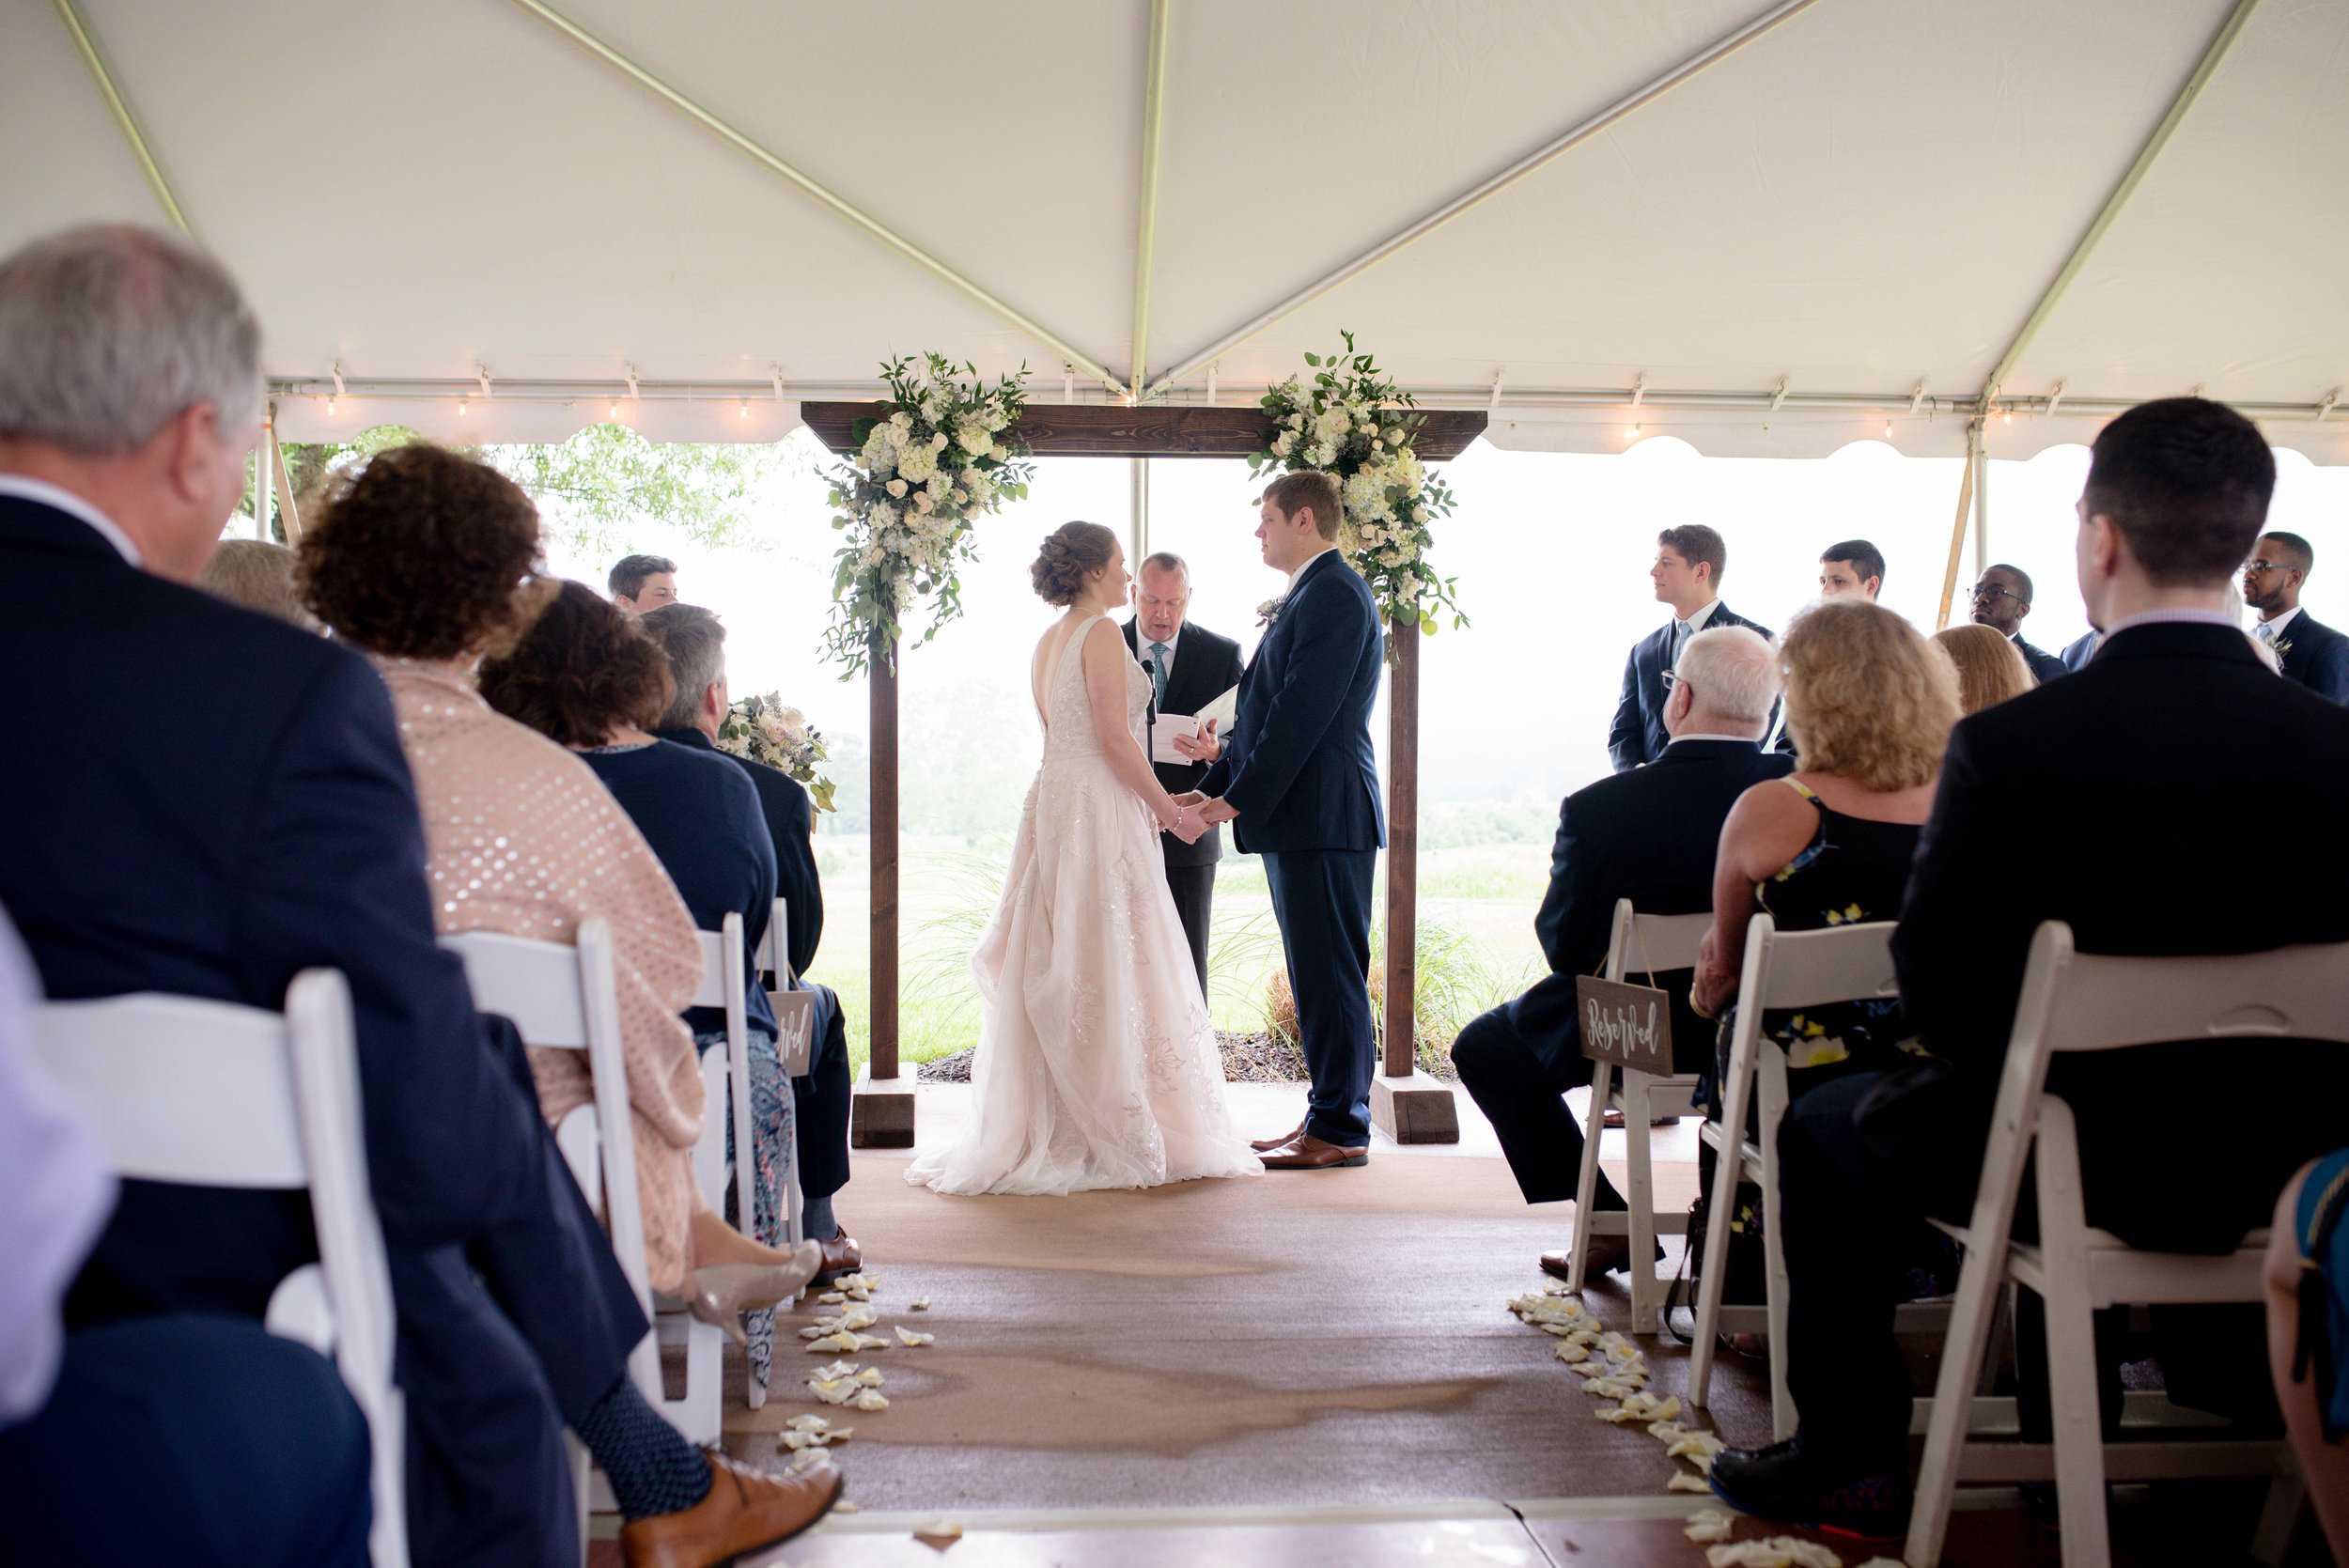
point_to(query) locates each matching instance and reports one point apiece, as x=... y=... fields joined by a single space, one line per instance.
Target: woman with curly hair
x=425 y=560
x=1990 y=668
x=1870 y=704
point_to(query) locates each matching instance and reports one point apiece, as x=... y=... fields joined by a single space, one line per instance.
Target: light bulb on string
x=745 y=410
x=1887 y=429
x=461 y=408
x=329 y=404
x=615 y=408
x=2010 y=416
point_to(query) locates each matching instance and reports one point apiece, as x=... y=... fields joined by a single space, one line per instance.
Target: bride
x=1096 y=1064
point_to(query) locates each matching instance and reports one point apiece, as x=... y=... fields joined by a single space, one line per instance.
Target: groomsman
x=1188 y=667
x=1854 y=567
x=1690 y=561
x=2312 y=653
x=2001 y=599
x=642 y=582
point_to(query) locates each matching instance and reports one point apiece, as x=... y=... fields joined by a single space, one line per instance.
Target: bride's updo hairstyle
x=1070 y=552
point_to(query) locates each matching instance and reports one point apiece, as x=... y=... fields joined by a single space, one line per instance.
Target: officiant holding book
x=1189 y=667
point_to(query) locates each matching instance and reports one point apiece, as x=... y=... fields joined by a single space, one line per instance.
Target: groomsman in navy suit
x=1188 y=667
x=2077 y=653
x=2001 y=599
x=2312 y=652
x=1298 y=777
x=1690 y=561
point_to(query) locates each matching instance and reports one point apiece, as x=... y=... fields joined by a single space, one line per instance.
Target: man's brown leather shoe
x=1609 y=1254
x=1308 y=1153
x=1266 y=1145
x=745 y=1510
x=840 y=1257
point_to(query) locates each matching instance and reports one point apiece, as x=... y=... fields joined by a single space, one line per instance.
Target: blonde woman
x=1990 y=668
x=1870 y=704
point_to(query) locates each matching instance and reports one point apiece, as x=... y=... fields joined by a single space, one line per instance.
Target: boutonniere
x=2282 y=646
x=1269 y=610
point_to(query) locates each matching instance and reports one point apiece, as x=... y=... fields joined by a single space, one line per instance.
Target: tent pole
x=823 y=194
x=280 y=480
x=1146 y=236
x=1137 y=512
x=121 y=111
x=2228 y=31
x=1721 y=49
x=1982 y=507
x=1957 y=531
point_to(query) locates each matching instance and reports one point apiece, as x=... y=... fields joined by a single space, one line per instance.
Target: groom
x=1297 y=780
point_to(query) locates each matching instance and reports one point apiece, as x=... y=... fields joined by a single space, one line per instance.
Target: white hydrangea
x=917 y=463
x=973 y=436
x=1365 y=495
x=876 y=455
x=1320 y=455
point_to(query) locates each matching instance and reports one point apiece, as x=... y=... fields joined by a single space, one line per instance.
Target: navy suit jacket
x=701 y=817
x=1205 y=667
x=1638 y=733
x=790 y=817
x=2317 y=657
x=2115 y=799
x=2077 y=653
x=204 y=802
x=2044 y=666
x=1299 y=767
x=1648 y=835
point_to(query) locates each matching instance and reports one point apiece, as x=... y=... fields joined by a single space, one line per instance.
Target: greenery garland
x=943 y=456
x=1355 y=424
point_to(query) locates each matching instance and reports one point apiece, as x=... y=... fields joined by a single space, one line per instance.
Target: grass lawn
x=1476 y=946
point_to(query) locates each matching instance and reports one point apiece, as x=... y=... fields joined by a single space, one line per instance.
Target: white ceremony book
x=1162 y=736
x=1222 y=710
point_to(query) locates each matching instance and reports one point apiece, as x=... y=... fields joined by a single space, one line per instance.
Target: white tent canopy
x=1840 y=225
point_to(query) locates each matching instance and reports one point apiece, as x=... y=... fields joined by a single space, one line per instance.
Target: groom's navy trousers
x=1300 y=772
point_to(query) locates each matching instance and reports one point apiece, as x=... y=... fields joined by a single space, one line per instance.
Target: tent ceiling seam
x=839 y=204
x=1718 y=50
x=1146 y=226
x=120 y=109
x=2111 y=213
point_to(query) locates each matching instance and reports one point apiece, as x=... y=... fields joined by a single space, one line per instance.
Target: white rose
x=922 y=501
x=902 y=420
x=1281 y=442
x=962 y=498
x=896 y=487
x=999 y=452
x=869 y=557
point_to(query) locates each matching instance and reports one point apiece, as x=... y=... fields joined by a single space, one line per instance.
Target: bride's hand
x=1187 y=826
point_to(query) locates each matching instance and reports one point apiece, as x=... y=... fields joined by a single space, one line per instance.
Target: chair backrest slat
x=185 y=1089
x=2104 y=1003
x=533 y=982
x=1652 y=945
x=1842 y=963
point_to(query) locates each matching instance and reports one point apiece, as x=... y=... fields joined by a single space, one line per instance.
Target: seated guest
x=1647 y=835
x=695 y=641
x=519 y=841
x=259 y=822
x=2113 y=800
x=1870 y=704
x=2309 y=651
x=2001 y=599
x=225 y=1408
x=260 y=575
x=642 y=582
x=584 y=677
x=2308 y=1333
x=1854 y=567
x=1990 y=668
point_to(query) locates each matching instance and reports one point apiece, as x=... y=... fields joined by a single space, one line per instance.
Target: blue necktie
x=1157 y=670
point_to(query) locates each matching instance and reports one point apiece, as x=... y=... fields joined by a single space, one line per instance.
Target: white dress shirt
x=2272 y=632
x=1144 y=644
x=28 y=489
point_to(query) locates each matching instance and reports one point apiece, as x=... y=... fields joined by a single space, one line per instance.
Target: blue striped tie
x=1157 y=670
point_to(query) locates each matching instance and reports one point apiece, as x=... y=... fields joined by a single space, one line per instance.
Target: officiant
x=1188 y=667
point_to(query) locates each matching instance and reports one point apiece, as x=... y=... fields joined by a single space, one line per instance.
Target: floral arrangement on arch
x=763 y=730
x=1355 y=424
x=934 y=463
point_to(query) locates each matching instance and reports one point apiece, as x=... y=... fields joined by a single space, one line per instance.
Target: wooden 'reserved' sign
x=1628 y=1025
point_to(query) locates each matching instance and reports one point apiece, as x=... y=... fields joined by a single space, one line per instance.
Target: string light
x=329 y=404
x=461 y=408
x=2010 y=416
x=745 y=410
x=1887 y=429
x=615 y=407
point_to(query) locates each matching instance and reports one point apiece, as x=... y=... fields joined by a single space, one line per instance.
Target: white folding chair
x=210 y=1093
x=795 y=1019
x=2074 y=1002
x=1789 y=970
x=1640 y=944
x=566 y=998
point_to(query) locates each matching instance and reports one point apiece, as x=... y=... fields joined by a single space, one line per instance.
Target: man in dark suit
x=1647 y=835
x=1298 y=776
x=1690 y=561
x=2309 y=651
x=2116 y=801
x=1188 y=667
x=695 y=641
x=259 y=821
x=2078 y=652
x=2001 y=599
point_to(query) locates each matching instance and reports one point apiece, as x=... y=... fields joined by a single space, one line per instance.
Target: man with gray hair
x=1188 y=667
x=259 y=821
x=1646 y=835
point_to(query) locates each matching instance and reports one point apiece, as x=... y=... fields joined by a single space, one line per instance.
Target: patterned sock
x=652 y=1470
x=815 y=1219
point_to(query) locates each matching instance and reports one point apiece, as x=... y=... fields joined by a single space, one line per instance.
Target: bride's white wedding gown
x=1096 y=1066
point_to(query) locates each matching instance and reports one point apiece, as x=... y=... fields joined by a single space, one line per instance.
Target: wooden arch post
x=880 y=1115
x=1406 y=1104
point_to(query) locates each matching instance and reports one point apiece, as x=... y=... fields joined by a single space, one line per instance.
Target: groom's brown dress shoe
x=745 y=1510
x=1266 y=1145
x=1308 y=1153
x=1609 y=1253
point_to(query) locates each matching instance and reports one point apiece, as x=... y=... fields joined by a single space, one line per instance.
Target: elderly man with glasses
x=2307 y=650
x=2001 y=599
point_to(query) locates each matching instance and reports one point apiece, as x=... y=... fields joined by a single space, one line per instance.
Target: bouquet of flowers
x=940 y=458
x=1355 y=424
x=763 y=730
